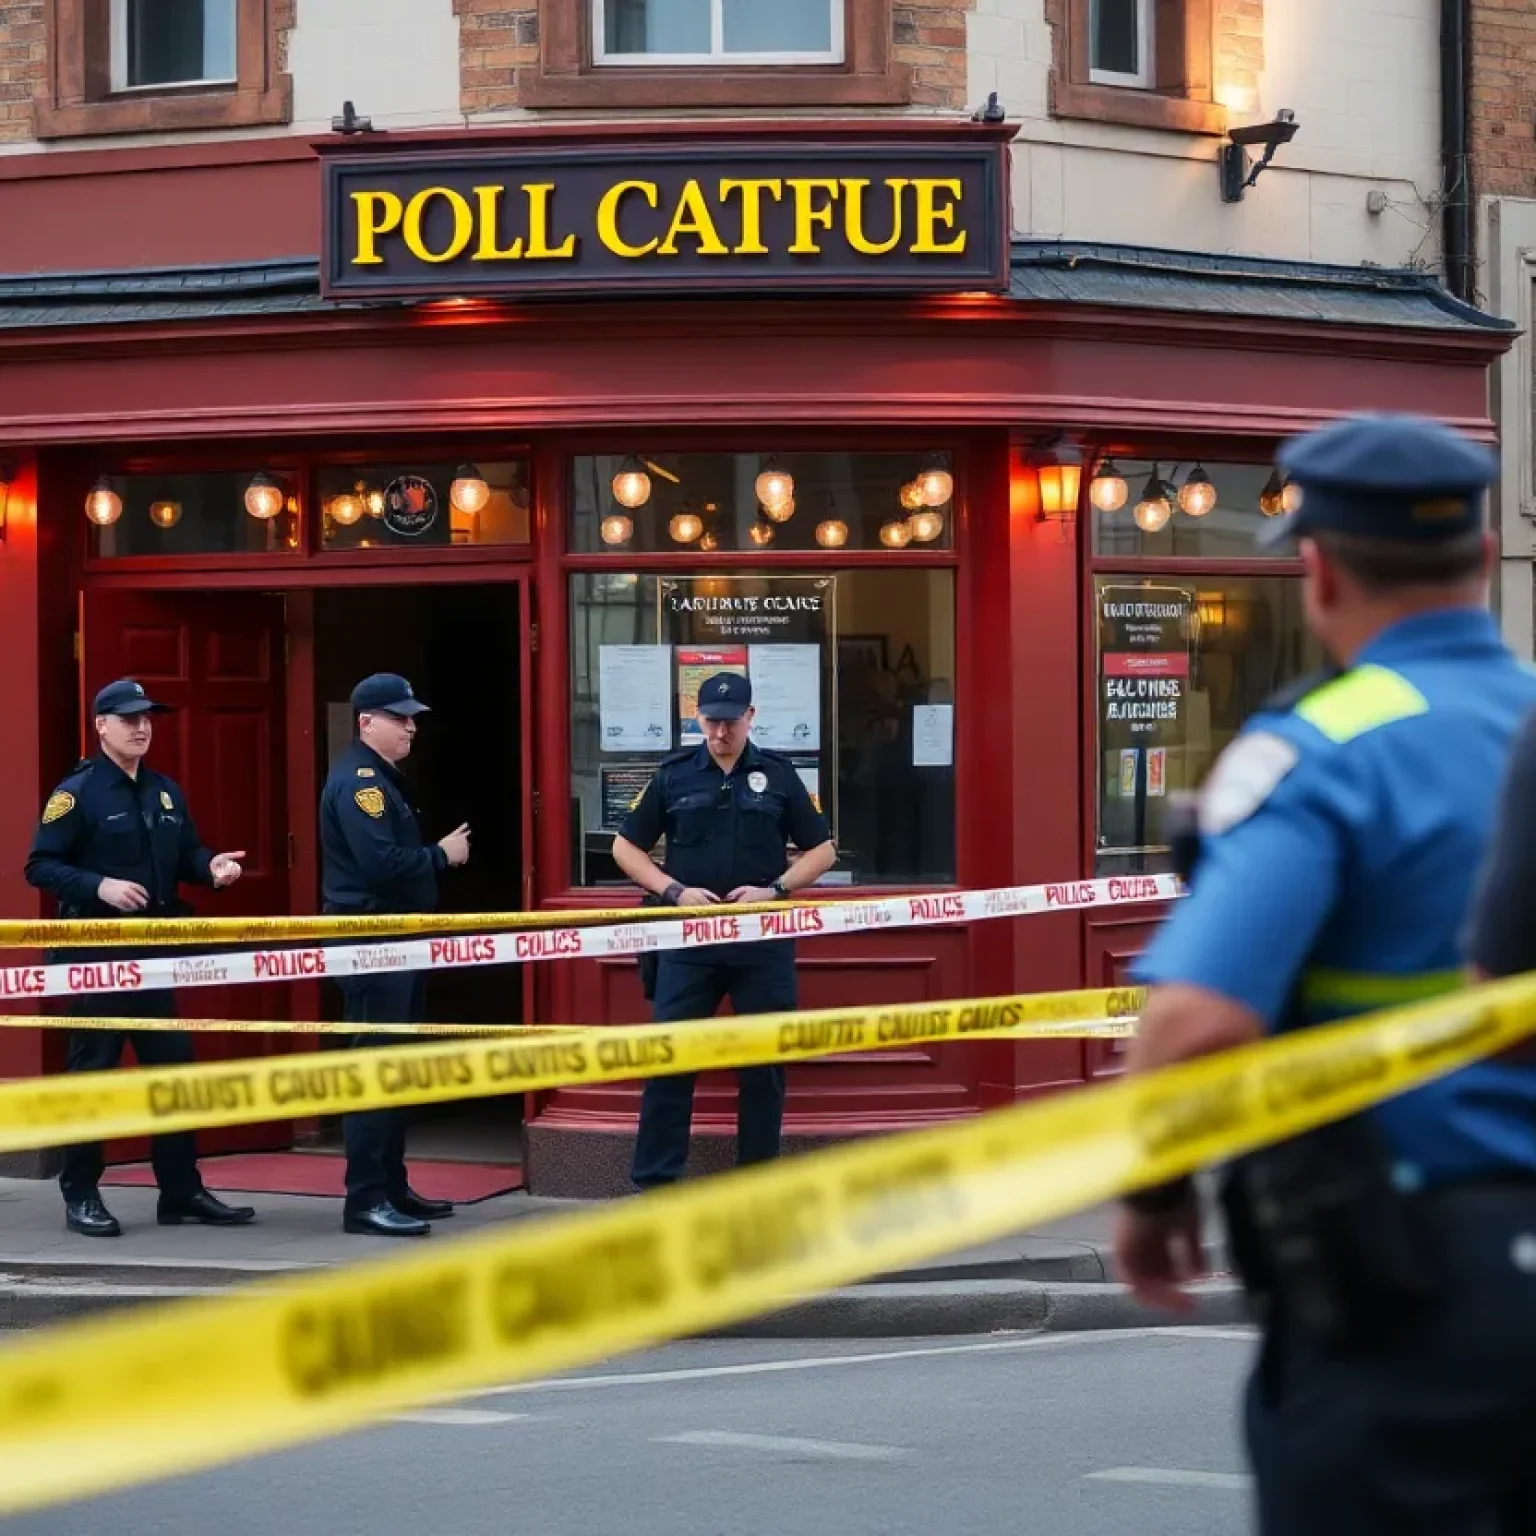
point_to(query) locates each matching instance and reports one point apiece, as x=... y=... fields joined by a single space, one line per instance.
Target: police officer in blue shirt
x=116 y=840
x=729 y=811
x=373 y=860
x=1339 y=836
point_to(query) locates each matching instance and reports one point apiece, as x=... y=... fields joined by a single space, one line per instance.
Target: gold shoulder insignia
x=365 y=773
x=371 y=801
x=61 y=803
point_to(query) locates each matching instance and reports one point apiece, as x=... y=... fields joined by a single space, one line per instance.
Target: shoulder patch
x=371 y=801
x=1245 y=776
x=1359 y=701
x=366 y=773
x=60 y=804
x=166 y=801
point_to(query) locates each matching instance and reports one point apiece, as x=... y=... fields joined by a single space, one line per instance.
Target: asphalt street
x=1093 y=1434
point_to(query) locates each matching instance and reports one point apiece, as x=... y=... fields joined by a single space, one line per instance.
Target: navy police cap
x=725 y=696
x=1385 y=477
x=387 y=693
x=126 y=697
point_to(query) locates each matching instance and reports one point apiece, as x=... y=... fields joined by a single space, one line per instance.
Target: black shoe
x=203 y=1207
x=412 y=1204
x=383 y=1220
x=90 y=1218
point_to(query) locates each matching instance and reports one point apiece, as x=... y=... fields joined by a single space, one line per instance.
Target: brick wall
x=1503 y=127
x=1239 y=51
x=497 y=38
x=23 y=64
x=930 y=40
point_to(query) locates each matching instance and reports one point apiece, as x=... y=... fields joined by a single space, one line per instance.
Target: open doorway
x=460 y=648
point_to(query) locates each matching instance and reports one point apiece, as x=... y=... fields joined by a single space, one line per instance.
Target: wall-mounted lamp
x=7 y=480
x=1059 y=471
x=1236 y=170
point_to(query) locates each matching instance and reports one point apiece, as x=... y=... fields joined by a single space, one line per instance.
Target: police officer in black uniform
x=374 y=861
x=729 y=811
x=115 y=840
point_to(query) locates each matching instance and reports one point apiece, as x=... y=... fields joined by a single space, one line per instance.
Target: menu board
x=623 y=785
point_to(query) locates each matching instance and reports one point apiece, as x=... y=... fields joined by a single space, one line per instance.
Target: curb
x=896 y=1310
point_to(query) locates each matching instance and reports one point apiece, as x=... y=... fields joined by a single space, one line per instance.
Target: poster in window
x=695 y=666
x=623 y=784
x=635 y=698
x=786 y=693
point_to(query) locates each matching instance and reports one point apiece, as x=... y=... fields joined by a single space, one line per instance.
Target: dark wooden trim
x=566 y=76
x=78 y=102
x=1137 y=109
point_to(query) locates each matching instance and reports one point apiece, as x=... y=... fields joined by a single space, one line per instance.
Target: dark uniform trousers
x=758 y=978
x=375 y=1138
x=174 y=1155
x=1430 y=1429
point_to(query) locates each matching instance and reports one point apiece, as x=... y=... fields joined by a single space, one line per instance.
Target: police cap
x=126 y=697
x=386 y=693
x=725 y=696
x=1385 y=477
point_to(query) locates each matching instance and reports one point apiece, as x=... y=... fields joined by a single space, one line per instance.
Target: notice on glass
x=933 y=735
x=786 y=692
x=635 y=698
x=695 y=666
x=1157 y=770
x=1128 y=756
x=622 y=788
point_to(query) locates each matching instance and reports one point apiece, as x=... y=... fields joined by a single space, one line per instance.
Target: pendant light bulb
x=631 y=486
x=1108 y=490
x=1197 y=495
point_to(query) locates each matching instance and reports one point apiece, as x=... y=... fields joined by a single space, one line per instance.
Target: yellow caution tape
x=258 y=1370
x=94 y=1106
x=281 y=1026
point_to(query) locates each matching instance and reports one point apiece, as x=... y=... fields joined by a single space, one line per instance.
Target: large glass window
x=1120 y=42
x=418 y=506
x=853 y=675
x=1180 y=662
x=1182 y=509
x=228 y=512
x=156 y=43
x=717 y=31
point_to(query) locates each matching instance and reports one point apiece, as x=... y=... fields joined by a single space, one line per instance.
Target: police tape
x=721 y=924
x=97 y=1106
x=319 y=1354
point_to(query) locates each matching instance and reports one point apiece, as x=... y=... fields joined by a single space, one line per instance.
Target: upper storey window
x=159 y=43
x=1120 y=37
x=715 y=32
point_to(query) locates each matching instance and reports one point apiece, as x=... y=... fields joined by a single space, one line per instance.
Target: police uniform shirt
x=1339 y=844
x=1501 y=935
x=370 y=839
x=725 y=830
x=101 y=824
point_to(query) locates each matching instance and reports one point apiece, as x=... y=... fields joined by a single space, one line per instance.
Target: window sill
x=164 y=112
x=1137 y=109
x=742 y=87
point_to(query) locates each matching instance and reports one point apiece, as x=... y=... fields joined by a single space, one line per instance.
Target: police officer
x=374 y=861
x=729 y=811
x=1390 y=1254
x=116 y=840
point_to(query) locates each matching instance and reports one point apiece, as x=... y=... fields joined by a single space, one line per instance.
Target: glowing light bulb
x=346 y=509
x=910 y=497
x=761 y=534
x=896 y=535
x=1272 y=498
x=775 y=485
x=165 y=514
x=1197 y=495
x=1108 y=490
x=780 y=512
x=631 y=486
x=1152 y=513
x=934 y=482
x=263 y=497
x=469 y=492
x=710 y=542
x=832 y=534
x=926 y=525
x=1290 y=496
x=103 y=505
x=685 y=527
x=616 y=529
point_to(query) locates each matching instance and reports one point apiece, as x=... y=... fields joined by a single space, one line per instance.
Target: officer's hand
x=751 y=893
x=696 y=896
x=225 y=868
x=1159 y=1255
x=456 y=845
x=124 y=895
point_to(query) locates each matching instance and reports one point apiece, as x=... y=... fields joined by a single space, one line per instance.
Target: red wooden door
x=218 y=660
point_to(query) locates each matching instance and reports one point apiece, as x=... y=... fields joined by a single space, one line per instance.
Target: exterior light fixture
x=1059 y=472
x=934 y=482
x=1272 y=497
x=469 y=492
x=263 y=497
x=685 y=527
x=631 y=486
x=832 y=534
x=896 y=535
x=761 y=533
x=1197 y=495
x=346 y=509
x=165 y=514
x=927 y=525
x=1108 y=490
x=1154 y=509
x=780 y=512
x=1237 y=172
x=775 y=486
x=616 y=529
x=7 y=480
x=103 y=505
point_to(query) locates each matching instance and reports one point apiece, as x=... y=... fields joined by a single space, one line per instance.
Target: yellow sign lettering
x=853 y=197
x=752 y=210
x=692 y=218
x=539 y=248
x=608 y=218
x=416 y=215
x=489 y=217
x=931 y=214
x=807 y=215
x=378 y=213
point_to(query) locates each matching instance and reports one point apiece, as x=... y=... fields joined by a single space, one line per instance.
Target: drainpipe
x=1455 y=54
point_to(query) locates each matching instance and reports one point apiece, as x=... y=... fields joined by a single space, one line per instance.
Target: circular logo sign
x=410 y=506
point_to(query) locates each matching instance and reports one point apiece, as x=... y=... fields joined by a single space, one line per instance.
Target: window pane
x=853 y=673
x=1181 y=663
x=1115 y=47
x=414 y=506
x=1225 y=532
x=656 y=26
x=171 y=42
x=709 y=501
x=783 y=26
x=193 y=515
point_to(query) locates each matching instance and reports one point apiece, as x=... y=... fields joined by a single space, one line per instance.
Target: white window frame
x=1143 y=79
x=119 y=37
x=716 y=58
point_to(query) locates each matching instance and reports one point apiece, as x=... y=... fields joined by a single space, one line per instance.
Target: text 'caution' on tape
x=98 y=1106
x=236 y=1375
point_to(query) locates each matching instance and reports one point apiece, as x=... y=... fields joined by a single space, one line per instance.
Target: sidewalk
x=1060 y=1276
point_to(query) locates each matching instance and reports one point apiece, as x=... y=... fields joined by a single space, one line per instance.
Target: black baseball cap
x=126 y=697
x=386 y=693
x=725 y=696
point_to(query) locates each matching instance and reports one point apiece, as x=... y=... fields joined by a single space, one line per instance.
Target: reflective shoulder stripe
x=1363 y=990
x=1361 y=701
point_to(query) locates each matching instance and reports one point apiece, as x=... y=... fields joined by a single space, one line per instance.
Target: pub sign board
x=747 y=219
